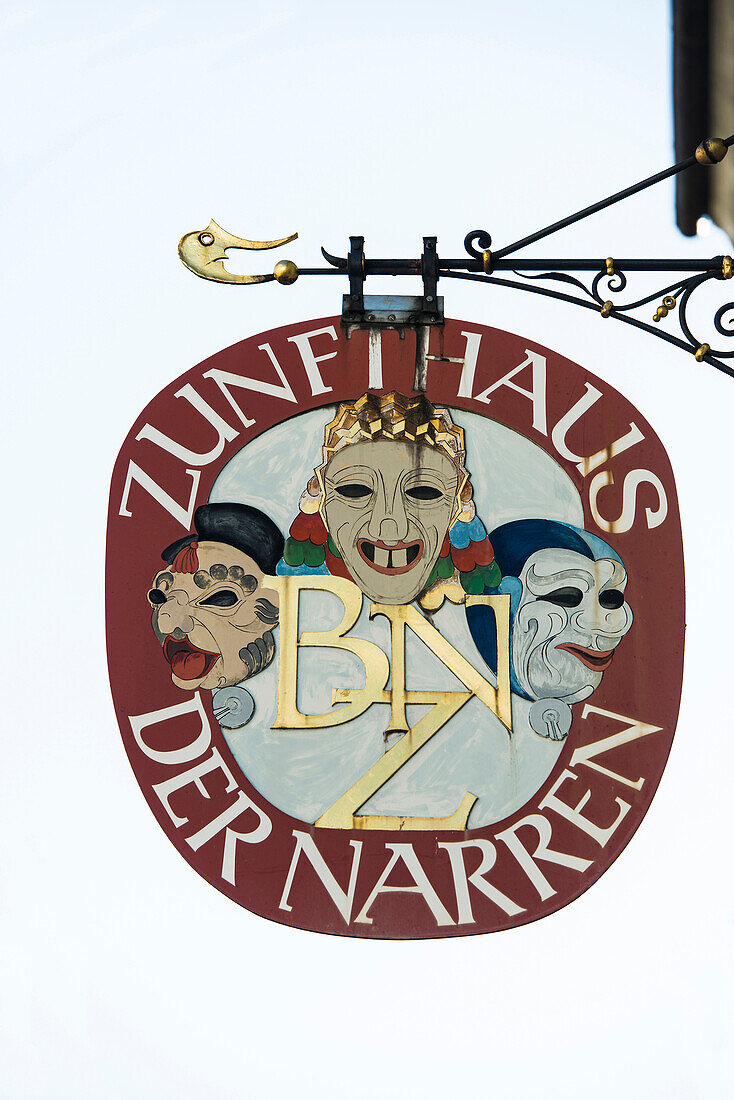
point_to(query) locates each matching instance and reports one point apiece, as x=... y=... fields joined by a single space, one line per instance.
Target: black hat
x=247 y=529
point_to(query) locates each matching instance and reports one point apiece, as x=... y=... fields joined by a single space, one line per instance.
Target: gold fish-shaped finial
x=204 y=251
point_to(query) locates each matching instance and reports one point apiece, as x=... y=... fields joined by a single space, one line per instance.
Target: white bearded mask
x=571 y=616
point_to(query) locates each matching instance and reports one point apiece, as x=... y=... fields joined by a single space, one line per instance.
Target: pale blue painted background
x=303 y=772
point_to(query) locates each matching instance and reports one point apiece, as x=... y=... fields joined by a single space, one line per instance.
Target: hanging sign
x=390 y=663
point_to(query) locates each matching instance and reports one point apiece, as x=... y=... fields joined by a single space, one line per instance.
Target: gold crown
x=393 y=416
x=399 y=418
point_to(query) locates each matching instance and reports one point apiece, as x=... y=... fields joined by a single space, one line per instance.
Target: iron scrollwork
x=676 y=294
x=204 y=252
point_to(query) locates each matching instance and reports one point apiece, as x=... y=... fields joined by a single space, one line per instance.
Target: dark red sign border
x=644 y=685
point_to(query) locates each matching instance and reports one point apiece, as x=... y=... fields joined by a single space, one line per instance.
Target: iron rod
x=602 y=205
x=712 y=264
x=412 y=267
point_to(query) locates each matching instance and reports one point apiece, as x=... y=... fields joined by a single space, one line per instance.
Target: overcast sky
x=122 y=973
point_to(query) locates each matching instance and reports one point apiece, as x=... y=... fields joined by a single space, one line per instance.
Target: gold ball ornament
x=711 y=151
x=285 y=272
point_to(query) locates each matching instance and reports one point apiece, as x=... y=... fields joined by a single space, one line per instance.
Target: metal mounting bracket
x=387 y=310
x=602 y=290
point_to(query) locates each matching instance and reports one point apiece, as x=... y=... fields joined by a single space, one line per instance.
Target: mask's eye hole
x=353 y=491
x=611 y=599
x=223 y=597
x=423 y=492
x=156 y=596
x=564 y=597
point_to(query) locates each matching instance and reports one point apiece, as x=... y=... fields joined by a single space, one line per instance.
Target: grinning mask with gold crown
x=391 y=485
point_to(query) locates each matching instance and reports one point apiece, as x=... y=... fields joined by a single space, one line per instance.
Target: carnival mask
x=571 y=616
x=388 y=506
x=215 y=624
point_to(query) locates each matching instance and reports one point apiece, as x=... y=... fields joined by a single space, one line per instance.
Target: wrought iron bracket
x=354 y=301
x=204 y=252
x=389 y=311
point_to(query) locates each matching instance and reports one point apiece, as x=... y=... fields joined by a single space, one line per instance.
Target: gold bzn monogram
x=343 y=813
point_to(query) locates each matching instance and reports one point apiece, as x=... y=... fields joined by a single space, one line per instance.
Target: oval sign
x=388 y=663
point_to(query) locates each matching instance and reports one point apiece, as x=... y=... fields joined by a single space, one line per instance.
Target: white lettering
x=574 y=815
x=186 y=753
x=542 y=851
x=466 y=382
x=455 y=852
x=193 y=775
x=255 y=836
x=145 y=481
x=225 y=433
x=374 y=381
x=632 y=480
x=224 y=379
x=586 y=465
x=422 y=886
x=536 y=395
x=311 y=361
x=342 y=899
x=587 y=754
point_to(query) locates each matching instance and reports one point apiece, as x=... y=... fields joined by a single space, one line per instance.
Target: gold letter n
x=343 y=813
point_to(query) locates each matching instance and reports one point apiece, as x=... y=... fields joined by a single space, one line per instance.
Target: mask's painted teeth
x=390 y=559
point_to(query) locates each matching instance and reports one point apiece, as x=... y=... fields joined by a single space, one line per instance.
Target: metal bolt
x=711 y=151
x=429 y=297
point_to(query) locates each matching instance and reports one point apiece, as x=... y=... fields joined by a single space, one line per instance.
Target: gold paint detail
x=496 y=699
x=487 y=261
x=376 y=665
x=405 y=419
x=393 y=416
x=609 y=263
x=711 y=151
x=663 y=310
x=455 y=822
x=500 y=606
x=204 y=251
x=349 y=703
x=607 y=308
x=726 y=267
x=702 y=352
x=450 y=590
x=343 y=813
